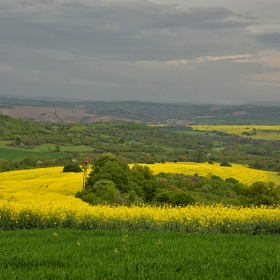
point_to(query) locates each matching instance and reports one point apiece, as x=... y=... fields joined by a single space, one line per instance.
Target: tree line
x=112 y=182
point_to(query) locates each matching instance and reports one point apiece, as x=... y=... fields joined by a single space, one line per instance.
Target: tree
x=57 y=148
x=200 y=156
x=145 y=170
x=182 y=198
x=260 y=193
x=105 y=190
x=110 y=168
x=149 y=187
x=17 y=141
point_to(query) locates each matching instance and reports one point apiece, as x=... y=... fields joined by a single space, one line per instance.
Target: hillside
x=151 y=113
x=24 y=143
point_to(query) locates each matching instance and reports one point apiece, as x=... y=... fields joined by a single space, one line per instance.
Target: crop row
x=72 y=213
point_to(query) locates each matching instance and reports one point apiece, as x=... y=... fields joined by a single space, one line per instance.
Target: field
x=44 y=198
x=265 y=132
x=238 y=171
x=40 y=182
x=102 y=254
x=56 y=114
x=10 y=152
x=79 y=241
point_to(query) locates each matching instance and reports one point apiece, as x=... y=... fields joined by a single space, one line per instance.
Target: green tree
x=17 y=141
x=145 y=170
x=105 y=190
x=72 y=167
x=57 y=148
x=182 y=198
x=109 y=168
x=200 y=156
x=260 y=193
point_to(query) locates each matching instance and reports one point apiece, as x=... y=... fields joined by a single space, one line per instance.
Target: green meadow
x=103 y=254
x=11 y=152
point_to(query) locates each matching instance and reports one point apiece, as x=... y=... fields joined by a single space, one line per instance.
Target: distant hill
x=150 y=113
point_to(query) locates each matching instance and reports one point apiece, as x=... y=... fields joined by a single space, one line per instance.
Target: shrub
x=164 y=197
x=108 y=168
x=224 y=163
x=182 y=198
x=72 y=167
x=260 y=193
x=105 y=190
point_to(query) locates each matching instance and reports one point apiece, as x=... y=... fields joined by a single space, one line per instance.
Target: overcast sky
x=210 y=51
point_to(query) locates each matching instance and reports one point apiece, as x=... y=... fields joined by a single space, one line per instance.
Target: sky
x=182 y=51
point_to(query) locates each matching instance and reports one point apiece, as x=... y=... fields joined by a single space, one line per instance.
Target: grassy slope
x=72 y=254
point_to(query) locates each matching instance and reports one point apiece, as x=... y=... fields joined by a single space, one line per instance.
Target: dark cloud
x=135 y=50
x=269 y=38
x=121 y=31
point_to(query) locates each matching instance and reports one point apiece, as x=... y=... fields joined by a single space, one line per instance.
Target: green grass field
x=99 y=254
x=11 y=152
x=197 y=132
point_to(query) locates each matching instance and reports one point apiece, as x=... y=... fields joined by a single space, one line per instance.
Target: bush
x=72 y=167
x=260 y=193
x=224 y=163
x=164 y=197
x=182 y=198
x=109 y=168
x=103 y=192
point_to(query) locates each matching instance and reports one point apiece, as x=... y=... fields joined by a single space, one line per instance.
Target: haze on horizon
x=208 y=51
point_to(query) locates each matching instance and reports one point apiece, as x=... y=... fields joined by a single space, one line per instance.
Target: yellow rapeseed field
x=42 y=181
x=238 y=171
x=44 y=198
x=266 y=132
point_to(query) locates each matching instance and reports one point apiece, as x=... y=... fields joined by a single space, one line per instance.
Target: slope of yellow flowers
x=44 y=198
x=238 y=171
x=266 y=132
x=40 y=182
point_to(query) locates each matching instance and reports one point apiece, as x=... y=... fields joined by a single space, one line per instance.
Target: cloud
x=269 y=78
x=140 y=50
x=120 y=31
x=269 y=59
x=238 y=57
x=269 y=38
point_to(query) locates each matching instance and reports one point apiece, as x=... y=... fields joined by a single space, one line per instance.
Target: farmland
x=55 y=144
x=44 y=150
x=40 y=182
x=238 y=171
x=149 y=113
x=264 y=132
x=44 y=198
x=62 y=237
x=80 y=241
x=48 y=233
x=112 y=254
